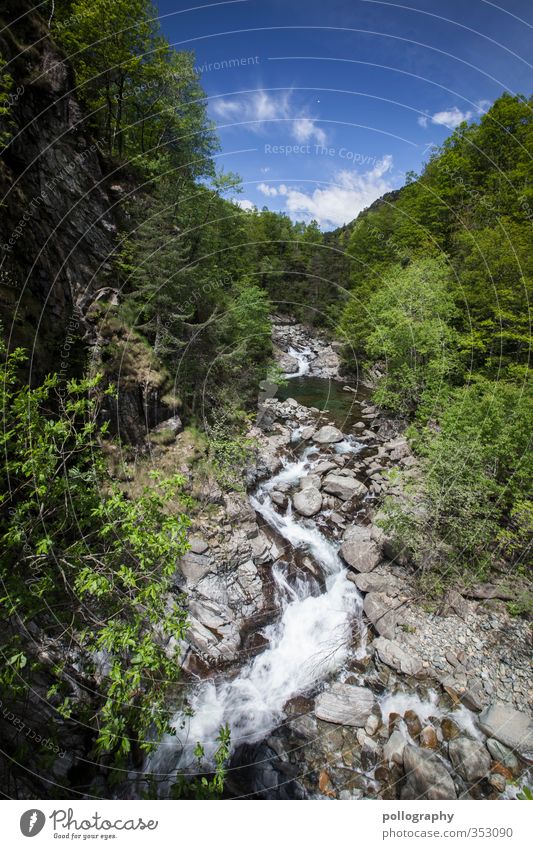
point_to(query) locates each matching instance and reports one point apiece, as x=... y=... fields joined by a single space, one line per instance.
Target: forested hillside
x=440 y=294
x=173 y=286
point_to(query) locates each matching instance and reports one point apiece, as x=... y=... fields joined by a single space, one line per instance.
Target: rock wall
x=58 y=223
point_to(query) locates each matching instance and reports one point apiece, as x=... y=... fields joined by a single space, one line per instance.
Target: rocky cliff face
x=58 y=222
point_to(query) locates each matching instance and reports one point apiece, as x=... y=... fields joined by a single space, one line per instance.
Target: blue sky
x=321 y=107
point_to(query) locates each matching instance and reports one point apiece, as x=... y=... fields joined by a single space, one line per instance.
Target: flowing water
x=311 y=639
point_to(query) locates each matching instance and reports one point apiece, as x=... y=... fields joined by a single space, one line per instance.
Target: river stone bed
x=439 y=706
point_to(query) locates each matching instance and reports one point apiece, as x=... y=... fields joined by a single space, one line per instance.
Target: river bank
x=310 y=637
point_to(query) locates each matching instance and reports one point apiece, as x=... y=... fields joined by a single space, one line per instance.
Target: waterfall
x=310 y=640
x=303 y=356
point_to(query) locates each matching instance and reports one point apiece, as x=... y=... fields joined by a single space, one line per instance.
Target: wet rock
x=307 y=432
x=325 y=786
x=428 y=738
x=394 y=748
x=359 y=550
x=414 y=726
x=344 y=487
x=308 y=501
x=426 y=776
x=372 y=724
x=279 y=499
x=345 y=704
x=327 y=435
x=450 y=729
x=502 y=754
x=469 y=757
x=511 y=727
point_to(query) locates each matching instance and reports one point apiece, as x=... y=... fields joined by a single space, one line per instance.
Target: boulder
x=344 y=487
x=391 y=653
x=370 y=582
x=381 y=611
x=345 y=704
x=327 y=435
x=393 y=748
x=308 y=501
x=428 y=738
x=502 y=754
x=511 y=727
x=469 y=757
x=198 y=545
x=425 y=776
x=359 y=550
x=307 y=432
x=279 y=498
x=195 y=566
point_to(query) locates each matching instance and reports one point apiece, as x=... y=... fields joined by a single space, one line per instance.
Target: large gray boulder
x=391 y=653
x=359 y=550
x=195 y=566
x=345 y=704
x=308 y=501
x=381 y=611
x=511 y=727
x=426 y=777
x=343 y=486
x=327 y=435
x=469 y=757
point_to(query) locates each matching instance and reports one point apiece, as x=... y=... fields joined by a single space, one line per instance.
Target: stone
x=198 y=545
x=195 y=566
x=509 y=726
x=502 y=754
x=426 y=776
x=327 y=435
x=174 y=425
x=487 y=591
x=394 y=748
x=324 y=784
x=369 y=582
x=469 y=757
x=307 y=432
x=428 y=738
x=308 y=501
x=414 y=726
x=323 y=467
x=279 y=498
x=310 y=480
x=359 y=550
x=380 y=609
x=372 y=724
x=450 y=729
x=344 y=487
x=391 y=653
x=498 y=782
x=345 y=704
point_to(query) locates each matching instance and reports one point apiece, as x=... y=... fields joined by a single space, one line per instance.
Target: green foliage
x=206 y=787
x=78 y=555
x=143 y=97
x=471 y=507
x=410 y=317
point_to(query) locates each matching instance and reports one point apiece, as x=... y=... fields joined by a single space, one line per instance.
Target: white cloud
x=305 y=129
x=260 y=107
x=342 y=200
x=451 y=118
x=247 y=205
x=269 y=191
x=454 y=116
